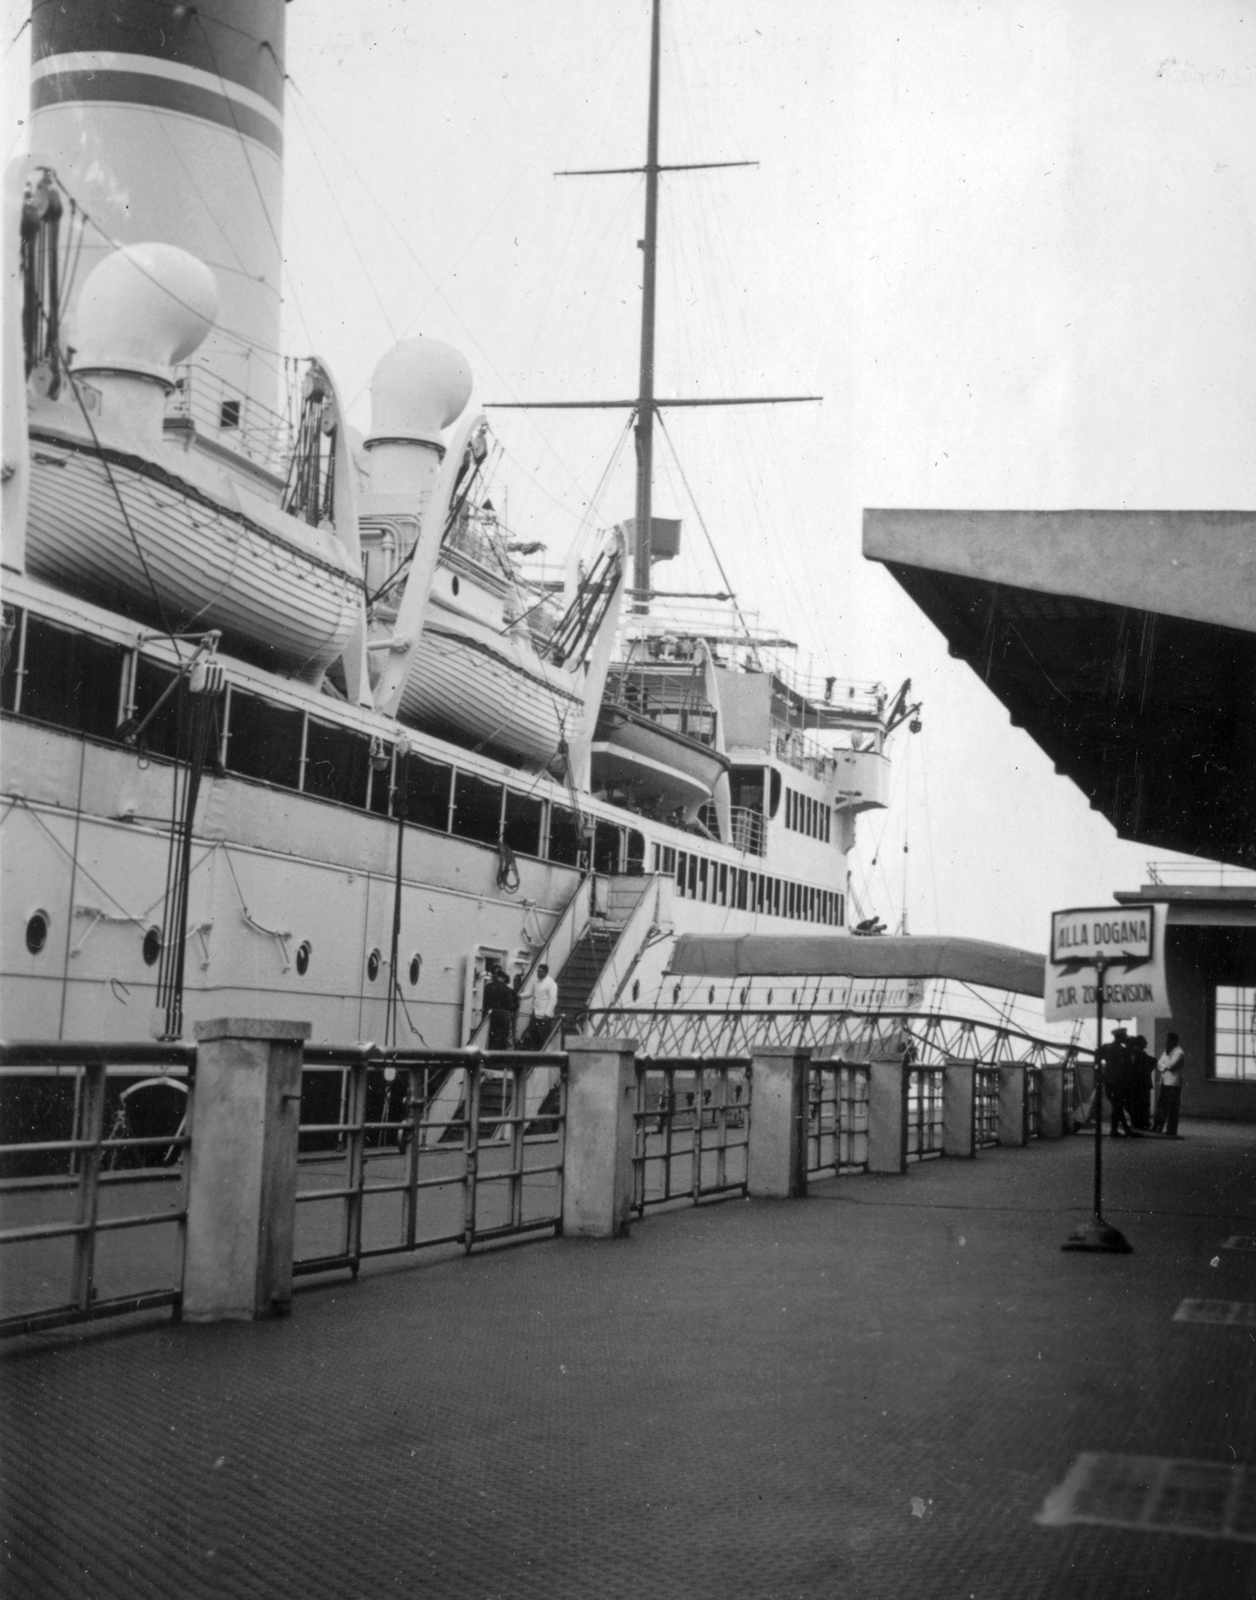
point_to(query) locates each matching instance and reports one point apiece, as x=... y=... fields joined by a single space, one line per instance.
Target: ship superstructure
x=289 y=727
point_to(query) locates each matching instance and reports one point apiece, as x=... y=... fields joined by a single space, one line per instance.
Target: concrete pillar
x=777 y=1158
x=601 y=1137
x=958 y=1110
x=242 y=1177
x=1053 y=1113
x=1012 y=1108
x=887 y=1116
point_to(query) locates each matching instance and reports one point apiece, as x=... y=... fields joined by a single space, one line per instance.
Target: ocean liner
x=290 y=728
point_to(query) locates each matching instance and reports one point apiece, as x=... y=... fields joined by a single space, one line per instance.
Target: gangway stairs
x=600 y=955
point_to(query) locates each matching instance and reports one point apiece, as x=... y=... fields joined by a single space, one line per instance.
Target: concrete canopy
x=1123 y=642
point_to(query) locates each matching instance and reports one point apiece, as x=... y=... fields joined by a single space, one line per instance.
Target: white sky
x=1012 y=245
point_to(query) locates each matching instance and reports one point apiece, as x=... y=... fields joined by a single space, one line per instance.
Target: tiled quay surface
x=871 y=1392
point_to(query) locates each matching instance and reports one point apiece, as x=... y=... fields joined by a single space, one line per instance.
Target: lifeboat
x=463 y=645
x=120 y=516
x=658 y=741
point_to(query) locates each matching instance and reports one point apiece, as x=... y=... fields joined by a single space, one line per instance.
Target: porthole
x=372 y=965
x=416 y=966
x=152 y=947
x=304 y=952
x=37 y=932
x=636 y=989
x=455 y=585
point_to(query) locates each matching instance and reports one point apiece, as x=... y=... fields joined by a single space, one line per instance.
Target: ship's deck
x=866 y=1393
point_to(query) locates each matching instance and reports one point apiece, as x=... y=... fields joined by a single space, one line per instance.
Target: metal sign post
x=1128 y=942
x=1098 y=1236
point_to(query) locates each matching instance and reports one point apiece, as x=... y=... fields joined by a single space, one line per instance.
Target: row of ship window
x=92 y=686
x=806 y=815
x=719 y=884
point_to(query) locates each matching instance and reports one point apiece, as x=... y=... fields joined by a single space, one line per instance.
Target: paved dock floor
x=866 y=1393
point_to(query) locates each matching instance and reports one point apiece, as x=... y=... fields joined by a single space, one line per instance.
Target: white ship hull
x=178 y=559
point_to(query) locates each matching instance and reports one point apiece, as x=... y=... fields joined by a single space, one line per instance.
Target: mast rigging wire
x=702 y=524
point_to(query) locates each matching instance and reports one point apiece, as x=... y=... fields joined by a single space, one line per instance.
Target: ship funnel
x=165 y=122
x=420 y=388
x=142 y=310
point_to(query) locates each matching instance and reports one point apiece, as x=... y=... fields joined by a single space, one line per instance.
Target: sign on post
x=1126 y=943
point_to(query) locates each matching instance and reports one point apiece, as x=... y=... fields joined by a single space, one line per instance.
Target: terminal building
x=1124 y=643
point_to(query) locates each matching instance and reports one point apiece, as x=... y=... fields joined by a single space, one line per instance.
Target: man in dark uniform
x=1117 y=1069
x=500 y=1005
x=1142 y=1068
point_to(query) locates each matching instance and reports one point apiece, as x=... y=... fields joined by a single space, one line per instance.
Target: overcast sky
x=1011 y=245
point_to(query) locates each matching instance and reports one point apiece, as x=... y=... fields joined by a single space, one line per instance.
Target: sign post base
x=1098 y=1238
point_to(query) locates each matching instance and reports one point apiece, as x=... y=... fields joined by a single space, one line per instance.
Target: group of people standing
x=1134 y=1079
x=501 y=1006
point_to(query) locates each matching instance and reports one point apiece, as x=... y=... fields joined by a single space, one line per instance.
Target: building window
x=1234 y=1032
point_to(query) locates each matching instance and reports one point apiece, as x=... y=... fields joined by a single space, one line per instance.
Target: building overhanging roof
x=758 y=955
x=1123 y=642
x=1199 y=905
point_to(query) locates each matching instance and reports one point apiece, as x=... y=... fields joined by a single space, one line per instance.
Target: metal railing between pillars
x=925 y=1089
x=93 y=1198
x=401 y=1151
x=1033 y=1102
x=985 y=1107
x=692 y=1129
x=837 y=1118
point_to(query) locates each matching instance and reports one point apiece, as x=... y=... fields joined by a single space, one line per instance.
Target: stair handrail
x=646 y=917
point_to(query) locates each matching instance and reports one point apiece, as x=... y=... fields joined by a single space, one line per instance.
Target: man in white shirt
x=544 y=1008
x=1169 y=1100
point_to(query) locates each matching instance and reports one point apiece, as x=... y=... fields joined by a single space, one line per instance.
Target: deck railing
x=837 y=1119
x=87 y=1206
x=692 y=1130
x=230 y=416
x=402 y=1151
x=748 y=831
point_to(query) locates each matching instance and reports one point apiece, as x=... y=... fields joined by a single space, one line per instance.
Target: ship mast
x=645 y=379
x=646 y=404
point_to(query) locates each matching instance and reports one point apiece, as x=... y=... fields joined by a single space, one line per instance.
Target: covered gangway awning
x=1123 y=642
x=763 y=955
